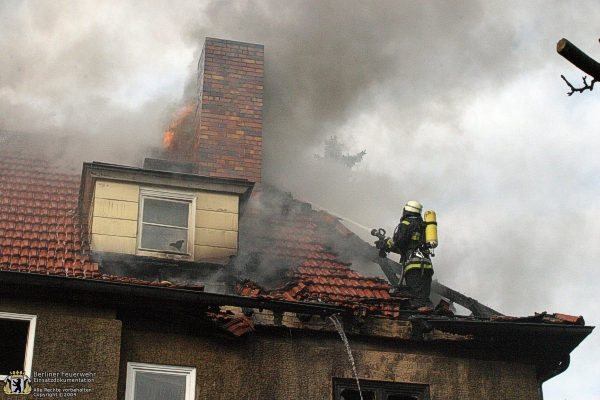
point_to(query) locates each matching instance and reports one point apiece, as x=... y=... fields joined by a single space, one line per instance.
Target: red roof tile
x=239 y=326
x=578 y=320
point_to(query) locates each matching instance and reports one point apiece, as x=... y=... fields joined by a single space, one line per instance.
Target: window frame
x=28 y=356
x=134 y=367
x=168 y=195
x=381 y=388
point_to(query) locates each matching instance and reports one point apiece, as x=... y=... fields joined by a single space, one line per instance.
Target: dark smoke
x=326 y=63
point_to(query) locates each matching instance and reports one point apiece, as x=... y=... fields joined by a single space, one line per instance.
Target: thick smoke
x=96 y=76
x=459 y=105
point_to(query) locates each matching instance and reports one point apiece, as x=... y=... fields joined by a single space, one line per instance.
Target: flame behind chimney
x=179 y=139
x=222 y=135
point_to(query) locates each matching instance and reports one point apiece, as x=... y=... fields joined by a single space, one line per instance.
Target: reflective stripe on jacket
x=409 y=231
x=417 y=262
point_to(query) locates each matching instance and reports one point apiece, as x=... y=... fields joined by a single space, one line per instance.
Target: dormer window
x=167 y=222
x=161 y=213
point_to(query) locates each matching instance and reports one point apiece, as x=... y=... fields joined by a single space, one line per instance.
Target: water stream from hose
x=340 y=330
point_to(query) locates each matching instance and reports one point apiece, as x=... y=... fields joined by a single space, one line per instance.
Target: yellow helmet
x=413 y=206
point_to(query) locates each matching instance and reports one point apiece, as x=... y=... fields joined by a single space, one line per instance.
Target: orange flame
x=170 y=136
x=168 y=139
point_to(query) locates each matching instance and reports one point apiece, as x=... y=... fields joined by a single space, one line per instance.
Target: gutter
x=550 y=373
x=498 y=328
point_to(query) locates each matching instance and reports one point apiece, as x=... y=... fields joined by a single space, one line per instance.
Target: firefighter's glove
x=383 y=253
x=388 y=244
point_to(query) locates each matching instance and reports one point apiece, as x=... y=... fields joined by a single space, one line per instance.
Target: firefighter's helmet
x=413 y=206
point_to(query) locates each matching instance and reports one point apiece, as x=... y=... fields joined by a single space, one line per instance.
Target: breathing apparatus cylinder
x=430 y=229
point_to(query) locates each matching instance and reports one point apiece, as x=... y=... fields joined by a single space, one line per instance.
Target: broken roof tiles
x=314 y=275
x=577 y=320
x=239 y=326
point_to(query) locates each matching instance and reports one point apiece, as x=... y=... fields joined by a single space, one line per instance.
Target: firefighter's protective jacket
x=407 y=238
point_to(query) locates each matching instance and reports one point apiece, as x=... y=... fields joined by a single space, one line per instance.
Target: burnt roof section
x=126 y=292
x=290 y=251
x=287 y=252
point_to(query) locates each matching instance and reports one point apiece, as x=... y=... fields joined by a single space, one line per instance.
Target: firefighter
x=409 y=242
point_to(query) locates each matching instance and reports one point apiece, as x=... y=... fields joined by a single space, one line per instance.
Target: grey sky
x=459 y=105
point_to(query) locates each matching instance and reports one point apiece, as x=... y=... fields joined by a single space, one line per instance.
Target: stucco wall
x=266 y=364
x=73 y=340
x=289 y=366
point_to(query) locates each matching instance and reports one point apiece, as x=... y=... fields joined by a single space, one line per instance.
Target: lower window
x=347 y=389
x=160 y=382
x=16 y=347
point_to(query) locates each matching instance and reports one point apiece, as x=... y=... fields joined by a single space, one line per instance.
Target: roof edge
x=134 y=295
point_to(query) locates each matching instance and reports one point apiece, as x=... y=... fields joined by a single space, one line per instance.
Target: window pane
x=164 y=239
x=166 y=212
x=13 y=345
x=346 y=389
x=151 y=386
x=353 y=394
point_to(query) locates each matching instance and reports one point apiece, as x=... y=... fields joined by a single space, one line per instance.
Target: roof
x=39 y=230
x=286 y=239
x=288 y=251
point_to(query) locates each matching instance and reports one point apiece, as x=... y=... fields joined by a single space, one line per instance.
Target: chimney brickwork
x=228 y=140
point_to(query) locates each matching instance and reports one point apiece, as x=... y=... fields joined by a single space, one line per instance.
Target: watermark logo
x=17 y=383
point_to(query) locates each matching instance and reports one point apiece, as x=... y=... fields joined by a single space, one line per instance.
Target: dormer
x=159 y=222
x=161 y=212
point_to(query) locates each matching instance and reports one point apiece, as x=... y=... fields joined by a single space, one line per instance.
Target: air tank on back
x=430 y=229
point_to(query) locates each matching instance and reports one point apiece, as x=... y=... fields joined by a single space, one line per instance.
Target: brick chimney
x=228 y=129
